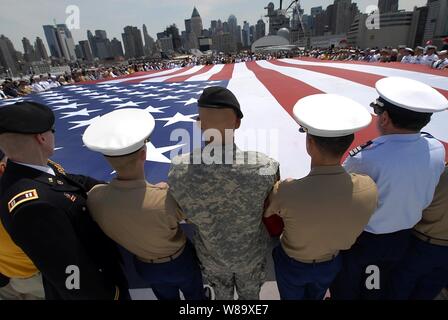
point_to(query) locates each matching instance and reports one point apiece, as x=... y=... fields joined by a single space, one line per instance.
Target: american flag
x=266 y=90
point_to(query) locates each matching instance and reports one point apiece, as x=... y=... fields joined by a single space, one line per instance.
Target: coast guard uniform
x=406 y=169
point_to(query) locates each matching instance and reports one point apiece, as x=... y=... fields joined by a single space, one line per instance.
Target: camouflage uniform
x=226 y=202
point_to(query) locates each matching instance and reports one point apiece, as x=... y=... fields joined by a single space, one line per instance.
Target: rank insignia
x=22 y=198
x=71 y=197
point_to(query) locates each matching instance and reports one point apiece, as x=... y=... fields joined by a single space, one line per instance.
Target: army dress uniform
x=324 y=212
x=225 y=203
x=141 y=217
x=44 y=210
x=423 y=272
x=406 y=169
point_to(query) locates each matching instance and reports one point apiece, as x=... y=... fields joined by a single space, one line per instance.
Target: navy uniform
x=141 y=217
x=423 y=272
x=406 y=169
x=44 y=210
x=324 y=212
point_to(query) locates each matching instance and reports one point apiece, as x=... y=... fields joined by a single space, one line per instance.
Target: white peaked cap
x=331 y=115
x=120 y=132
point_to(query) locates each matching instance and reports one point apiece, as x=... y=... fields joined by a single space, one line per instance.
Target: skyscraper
x=8 y=56
x=41 y=51
x=436 y=23
x=29 y=52
x=86 y=52
x=233 y=28
x=92 y=43
x=116 y=48
x=52 y=41
x=173 y=32
x=133 y=43
x=149 y=42
x=246 y=34
x=60 y=41
x=196 y=23
x=387 y=6
x=66 y=41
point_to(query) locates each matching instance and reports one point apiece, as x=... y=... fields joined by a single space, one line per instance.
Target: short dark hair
x=407 y=119
x=334 y=146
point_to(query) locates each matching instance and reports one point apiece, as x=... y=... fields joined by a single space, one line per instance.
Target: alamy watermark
x=73 y=20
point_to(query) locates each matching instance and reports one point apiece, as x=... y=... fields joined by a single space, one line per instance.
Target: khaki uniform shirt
x=434 y=223
x=139 y=216
x=323 y=213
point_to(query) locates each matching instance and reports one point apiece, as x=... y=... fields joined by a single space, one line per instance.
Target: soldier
x=19 y=277
x=141 y=217
x=43 y=208
x=225 y=199
x=409 y=56
x=430 y=56
x=418 y=57
x=326 y=211
x=423 y=272
x=406 y=166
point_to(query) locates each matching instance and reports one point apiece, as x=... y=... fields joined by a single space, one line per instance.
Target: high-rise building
x=196 y=23
x=66 y=42
x=437 y=22
x=116 y=48
x=133 y=43
x=102 y=34
x=188 y=28
x=86 y=52
x=233 y=29
x=29 y=52
x=388 y=6
x=92 y=43
x=149 y=42
x=173 y=32
x=8 y=56
x=344 y=12
x=260 y=29
x=246 y=34
x=224 y=42
x=41 y=51
x=52 y=41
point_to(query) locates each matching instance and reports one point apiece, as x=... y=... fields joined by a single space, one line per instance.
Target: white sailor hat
x=330 y=115
x=119 y=133
x=409 y=94
x=410 y=50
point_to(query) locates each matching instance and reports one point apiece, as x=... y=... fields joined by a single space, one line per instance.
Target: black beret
x=220 y=98
x=26 y=117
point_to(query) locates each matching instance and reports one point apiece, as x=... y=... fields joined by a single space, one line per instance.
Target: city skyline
x=139 y=12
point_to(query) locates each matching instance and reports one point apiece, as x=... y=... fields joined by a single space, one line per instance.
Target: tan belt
x=319 y=260
x=164 y=259
x=425 y=238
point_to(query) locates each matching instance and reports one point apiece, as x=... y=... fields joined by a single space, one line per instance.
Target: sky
x=25 y=18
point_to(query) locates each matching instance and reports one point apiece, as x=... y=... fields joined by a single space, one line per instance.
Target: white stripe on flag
x=185 y=73
x=438 y=82
x=146 y=76
x=262 y=111
x=207 y=75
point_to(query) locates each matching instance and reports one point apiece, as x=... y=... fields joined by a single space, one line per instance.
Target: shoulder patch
x=57 y=166
x=22 y=197
x=357 y=150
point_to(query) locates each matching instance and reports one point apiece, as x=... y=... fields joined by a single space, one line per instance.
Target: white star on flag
x=181 y=91
x=123 y=91
x=101 y=97
x=135 y=93
x=61 y=101
x=138 y=85
x=48 y=94
x=174 y=84
x=59 y=148
x=151 y=109
x=84 y=112
x=168 y=98
x=151 y=87
x=85 y=123
x=104 y=86
x=188 y=102
x=56 y=98
x=113 y=100
x=91 y=94
x=84 y=91
x=213 y=82
x=151 y=95
x=156 y=154
x=178 y=117
x=164 y=89
x=76 y=89
x=127 y=104
x=199 y=92
x=191 y=86
x=69 y=106
x=114 y=88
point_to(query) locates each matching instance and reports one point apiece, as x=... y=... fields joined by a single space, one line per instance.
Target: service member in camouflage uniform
x=225 y=201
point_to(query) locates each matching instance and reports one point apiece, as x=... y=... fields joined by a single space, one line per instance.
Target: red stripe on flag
x=136 y=74
x=186 y=77
x=224 y=74
x=392 y=65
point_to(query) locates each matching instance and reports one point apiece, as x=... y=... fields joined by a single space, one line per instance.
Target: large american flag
x=267 y=91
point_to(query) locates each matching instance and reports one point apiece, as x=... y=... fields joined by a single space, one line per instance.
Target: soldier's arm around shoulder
x=46 y=235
